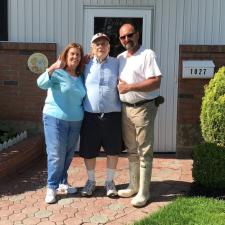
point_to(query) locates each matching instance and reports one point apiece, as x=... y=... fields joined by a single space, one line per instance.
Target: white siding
x=28 y=21
x=61 y=20
x=50 y=14
x=179 y=37
x=168 y=36
x=175 y=22
x=203 y=22
x=44 y=21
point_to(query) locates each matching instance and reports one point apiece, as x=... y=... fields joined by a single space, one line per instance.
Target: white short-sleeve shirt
x=139 y=67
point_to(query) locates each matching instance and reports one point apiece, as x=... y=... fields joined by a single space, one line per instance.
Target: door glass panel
x=111 y=25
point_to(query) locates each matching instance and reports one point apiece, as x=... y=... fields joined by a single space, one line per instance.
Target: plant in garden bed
x=209 y=157
x=209 y=171
x=9 y=138
x=6 y=135
x=213 y=110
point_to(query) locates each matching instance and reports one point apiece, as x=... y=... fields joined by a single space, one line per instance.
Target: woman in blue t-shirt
x=62 y=116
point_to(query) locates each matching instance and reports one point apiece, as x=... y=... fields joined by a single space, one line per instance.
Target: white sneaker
x=50 y=196
x=110 y=189
x=66 y=189
x=88 y=189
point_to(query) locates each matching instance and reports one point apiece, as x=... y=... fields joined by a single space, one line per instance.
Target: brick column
x=190 y=93
x=21 y=100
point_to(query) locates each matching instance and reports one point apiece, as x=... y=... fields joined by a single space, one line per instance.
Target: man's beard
x=129 y=45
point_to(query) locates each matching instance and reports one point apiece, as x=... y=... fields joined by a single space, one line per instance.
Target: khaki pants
x=138 y=131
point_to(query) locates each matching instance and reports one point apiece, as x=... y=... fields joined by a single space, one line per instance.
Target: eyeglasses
x=130 y=35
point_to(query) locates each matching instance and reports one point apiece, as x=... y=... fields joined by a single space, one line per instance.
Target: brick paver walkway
x=22 y=196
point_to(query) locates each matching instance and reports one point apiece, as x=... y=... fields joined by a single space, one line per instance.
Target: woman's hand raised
x=57 y=65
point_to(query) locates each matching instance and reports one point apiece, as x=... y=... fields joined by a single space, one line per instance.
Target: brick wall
x=190 y=93
x=20 y=98
x=21 y=156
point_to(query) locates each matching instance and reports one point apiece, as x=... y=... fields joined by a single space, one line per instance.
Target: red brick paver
x=22 y=196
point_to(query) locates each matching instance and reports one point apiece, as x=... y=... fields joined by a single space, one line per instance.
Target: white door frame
x=91 y=13
x=147 y=34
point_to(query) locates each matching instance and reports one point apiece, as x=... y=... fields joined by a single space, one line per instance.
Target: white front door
x=108 y=20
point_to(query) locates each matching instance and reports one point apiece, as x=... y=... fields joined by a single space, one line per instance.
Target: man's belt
x=136 y=104
x=158 y=101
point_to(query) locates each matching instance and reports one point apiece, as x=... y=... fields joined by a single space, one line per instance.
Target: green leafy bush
x=213 y=110
x=209 y=166
x=209 y=157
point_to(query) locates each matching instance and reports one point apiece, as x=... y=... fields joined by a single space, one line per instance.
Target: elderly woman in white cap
x=101 y=127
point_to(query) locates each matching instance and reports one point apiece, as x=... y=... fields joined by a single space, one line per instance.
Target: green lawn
x=189 y=211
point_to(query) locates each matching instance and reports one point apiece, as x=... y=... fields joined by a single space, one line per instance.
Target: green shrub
x=209 y=158
x=209 y=166
x=213 y=110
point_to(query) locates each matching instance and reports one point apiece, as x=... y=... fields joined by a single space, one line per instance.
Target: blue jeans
x=61 y=138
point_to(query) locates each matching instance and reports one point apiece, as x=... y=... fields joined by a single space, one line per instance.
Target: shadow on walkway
x=34 y=178
x=22 y=195
x=31 y=179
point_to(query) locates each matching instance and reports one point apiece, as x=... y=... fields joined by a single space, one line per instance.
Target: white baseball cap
x=99 y=35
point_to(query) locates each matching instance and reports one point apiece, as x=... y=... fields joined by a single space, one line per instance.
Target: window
x=111 y=25
x=3 y=20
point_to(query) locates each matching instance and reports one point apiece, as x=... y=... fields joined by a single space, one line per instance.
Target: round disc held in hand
x=37 y=63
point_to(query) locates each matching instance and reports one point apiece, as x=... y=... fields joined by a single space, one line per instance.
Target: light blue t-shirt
x=65 y=95
x=100 y=81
